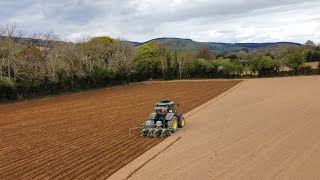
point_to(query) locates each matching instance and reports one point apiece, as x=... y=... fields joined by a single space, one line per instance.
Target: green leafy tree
x=266 y=65
x=216 y=68
x=294 y=61
x=197 y=68
x=175 y=66
x=229 y=67
x=254 y=65
x=147 y=60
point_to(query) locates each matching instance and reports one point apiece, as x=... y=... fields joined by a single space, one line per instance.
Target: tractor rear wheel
x=181 y=122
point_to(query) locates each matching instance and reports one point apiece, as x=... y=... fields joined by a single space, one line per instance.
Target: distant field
x=86 y=135
x=314 y=65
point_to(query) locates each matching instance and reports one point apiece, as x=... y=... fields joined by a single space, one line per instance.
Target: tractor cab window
x=162 y=109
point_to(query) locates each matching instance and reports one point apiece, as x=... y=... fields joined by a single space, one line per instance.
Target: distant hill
x=28 y=41
x=183 y=45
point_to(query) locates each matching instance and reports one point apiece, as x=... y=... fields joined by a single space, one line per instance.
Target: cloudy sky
x=142 y=20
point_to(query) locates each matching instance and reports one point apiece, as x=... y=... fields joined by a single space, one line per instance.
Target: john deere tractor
x=164 y=121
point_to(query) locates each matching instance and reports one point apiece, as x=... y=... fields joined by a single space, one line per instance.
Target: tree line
x=45 y=65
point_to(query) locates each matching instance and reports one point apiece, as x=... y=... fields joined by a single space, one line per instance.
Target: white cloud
x=141 y=20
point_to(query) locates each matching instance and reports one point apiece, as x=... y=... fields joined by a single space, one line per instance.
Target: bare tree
x=162 y=57
x=121 y=59
x=46 y=41
x=12 y=31
x=206 y=53
x=310 y=44
x=8 y=58
x=8 y=33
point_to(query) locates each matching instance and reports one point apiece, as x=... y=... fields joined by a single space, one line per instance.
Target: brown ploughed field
x=261 y=129
x=85 y=135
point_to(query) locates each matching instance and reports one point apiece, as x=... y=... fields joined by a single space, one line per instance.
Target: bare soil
x=262 y=129
x=86 y=135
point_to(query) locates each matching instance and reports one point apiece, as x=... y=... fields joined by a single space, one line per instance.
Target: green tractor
x=164 y=121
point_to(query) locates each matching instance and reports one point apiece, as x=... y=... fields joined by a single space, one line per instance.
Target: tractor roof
x=165 y=103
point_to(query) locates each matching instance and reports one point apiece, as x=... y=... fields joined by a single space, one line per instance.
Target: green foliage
x=61 y=74
x=170 y=64
x=266 y=65
x=99 y=76
x=294 y=60
x=6 y=82
x=197 y=68
x=228 y=66
x=147 y=60
x=102 y=39
x=311 y=55
x=307 y=70
x=266 y=62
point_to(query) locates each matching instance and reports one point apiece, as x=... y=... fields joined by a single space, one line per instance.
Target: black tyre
x=182 y=122
x=174 y=123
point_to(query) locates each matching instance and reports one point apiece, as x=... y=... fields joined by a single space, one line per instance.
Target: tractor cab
x=164 y=107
